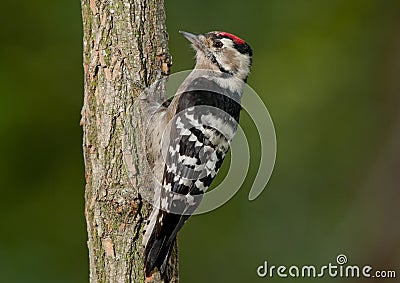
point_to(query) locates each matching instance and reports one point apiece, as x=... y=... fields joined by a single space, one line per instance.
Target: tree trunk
x=125 y=43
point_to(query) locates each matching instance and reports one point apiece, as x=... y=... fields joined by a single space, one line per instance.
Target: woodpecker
x=196 y=129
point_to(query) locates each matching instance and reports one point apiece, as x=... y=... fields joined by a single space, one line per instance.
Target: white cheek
x=224 y=61
x=221 y=60
x=227 y=42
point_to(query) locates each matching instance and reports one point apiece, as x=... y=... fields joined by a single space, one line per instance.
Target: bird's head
x=221 y=52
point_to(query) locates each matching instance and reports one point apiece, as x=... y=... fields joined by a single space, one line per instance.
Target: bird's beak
x=196 y=40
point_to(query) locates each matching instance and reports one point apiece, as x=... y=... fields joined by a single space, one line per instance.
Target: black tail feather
x=156 y=254
x=163 y=266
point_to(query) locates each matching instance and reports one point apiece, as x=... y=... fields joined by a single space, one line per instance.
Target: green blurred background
x=328 y=72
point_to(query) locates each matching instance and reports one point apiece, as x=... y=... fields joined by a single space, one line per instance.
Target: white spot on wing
x=200 y=185
x=189 y=160
x=190 y=199
x=178 y=123
x=185 y=132
x=185 y=182
x=210 y=165
x=171 y=169
x=168 y=187
x=192 y=138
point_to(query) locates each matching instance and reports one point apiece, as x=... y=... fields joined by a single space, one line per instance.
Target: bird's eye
x=218 y=44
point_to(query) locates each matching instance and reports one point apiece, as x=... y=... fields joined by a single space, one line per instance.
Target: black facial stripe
x=222 y=69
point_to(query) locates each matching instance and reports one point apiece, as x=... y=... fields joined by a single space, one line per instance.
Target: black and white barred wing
x=199 y=140
x=196 y=152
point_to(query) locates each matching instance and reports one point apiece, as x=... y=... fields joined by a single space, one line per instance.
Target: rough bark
x=125 y=43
